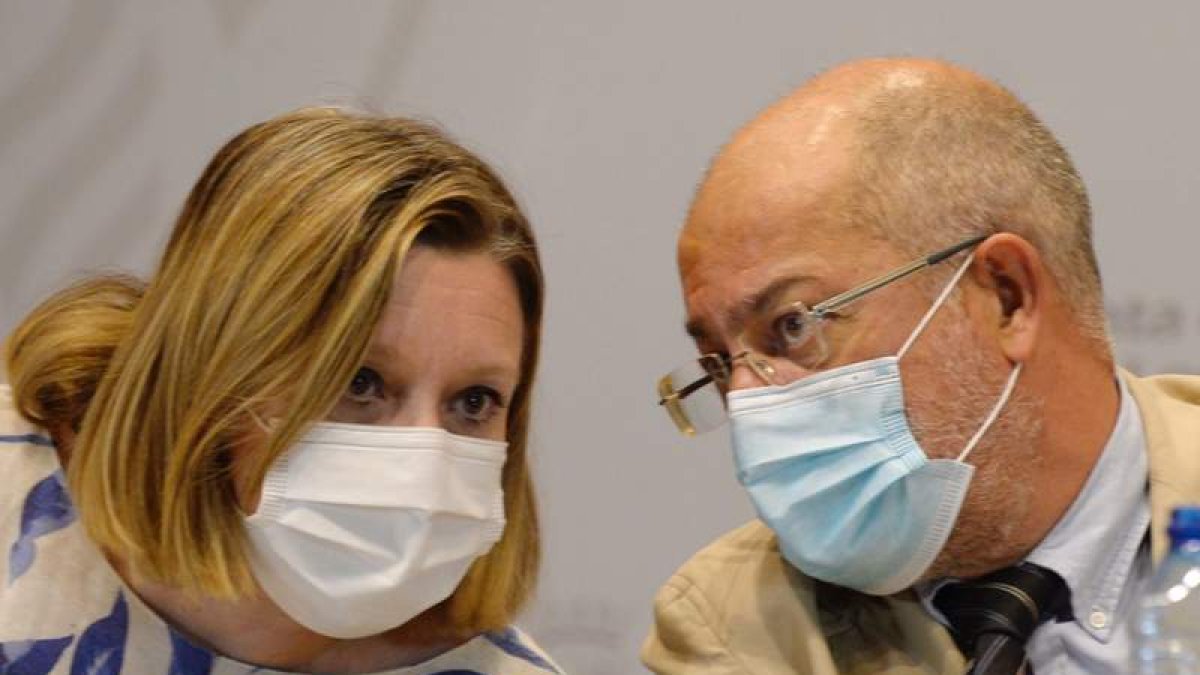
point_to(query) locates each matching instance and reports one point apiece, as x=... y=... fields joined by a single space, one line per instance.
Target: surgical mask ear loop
x=992 y=416
x=1012 y=377
x=937 y=304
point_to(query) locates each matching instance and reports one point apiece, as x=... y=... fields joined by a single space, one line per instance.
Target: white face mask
x=361 y=528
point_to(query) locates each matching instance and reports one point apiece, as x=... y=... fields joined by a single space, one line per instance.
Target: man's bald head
x=914 y=152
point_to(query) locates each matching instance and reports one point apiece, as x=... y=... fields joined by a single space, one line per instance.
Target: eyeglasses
x=694 y=394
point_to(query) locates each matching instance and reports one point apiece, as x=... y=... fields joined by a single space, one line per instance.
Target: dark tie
x=992 y=617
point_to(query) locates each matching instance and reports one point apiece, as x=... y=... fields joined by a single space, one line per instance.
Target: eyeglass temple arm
x=699 y=383
x=688 y=390
x=843 y=299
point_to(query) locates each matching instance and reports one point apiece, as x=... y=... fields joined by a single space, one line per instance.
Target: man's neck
x=1082 y=402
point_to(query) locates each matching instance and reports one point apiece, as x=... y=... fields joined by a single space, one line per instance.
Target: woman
x=301 y=445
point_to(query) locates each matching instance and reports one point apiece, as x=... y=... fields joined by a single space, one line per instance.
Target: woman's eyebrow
x=387 y=360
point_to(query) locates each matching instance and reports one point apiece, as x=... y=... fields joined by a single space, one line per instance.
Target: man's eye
x=477 y=405
x=791 y=329
x=366 y=385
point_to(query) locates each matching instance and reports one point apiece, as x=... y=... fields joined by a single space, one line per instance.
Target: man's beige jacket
x=738 y=608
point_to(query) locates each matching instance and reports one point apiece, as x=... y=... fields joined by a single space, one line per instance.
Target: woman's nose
x=414 y=414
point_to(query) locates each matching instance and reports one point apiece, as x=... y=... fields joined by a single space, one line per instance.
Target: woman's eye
x=477 y=405
x=366 y=385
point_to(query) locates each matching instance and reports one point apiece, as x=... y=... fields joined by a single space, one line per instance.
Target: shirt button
x=1098 y=620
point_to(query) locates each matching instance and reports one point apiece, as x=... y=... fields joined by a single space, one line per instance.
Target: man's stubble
x=988 y=533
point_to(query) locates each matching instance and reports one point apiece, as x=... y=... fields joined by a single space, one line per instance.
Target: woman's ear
x=1014 y=282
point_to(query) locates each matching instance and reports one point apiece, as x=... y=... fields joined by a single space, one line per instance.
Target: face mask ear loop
x=991 y=418
x=937 y=304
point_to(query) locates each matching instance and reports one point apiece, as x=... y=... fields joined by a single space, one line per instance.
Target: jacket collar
x=1170 y=410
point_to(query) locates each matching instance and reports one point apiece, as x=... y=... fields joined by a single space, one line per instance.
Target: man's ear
x=1014 y=284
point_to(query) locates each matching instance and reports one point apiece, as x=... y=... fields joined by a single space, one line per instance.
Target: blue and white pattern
x=101 y=648
x=47 y=509
x=510 y=641
x=188 y=659
x=31 y=439
x=32 y=657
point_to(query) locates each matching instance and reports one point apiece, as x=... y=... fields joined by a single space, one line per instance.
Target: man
x=891 y=275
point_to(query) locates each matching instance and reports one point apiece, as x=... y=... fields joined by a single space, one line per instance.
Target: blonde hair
x=268 y=292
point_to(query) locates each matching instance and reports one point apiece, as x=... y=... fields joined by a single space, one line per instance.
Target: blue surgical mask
x=833 y=469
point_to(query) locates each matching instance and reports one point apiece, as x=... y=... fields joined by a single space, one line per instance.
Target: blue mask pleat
x=832 y=467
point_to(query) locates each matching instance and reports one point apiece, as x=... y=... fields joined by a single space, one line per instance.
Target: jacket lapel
x=1170 y=409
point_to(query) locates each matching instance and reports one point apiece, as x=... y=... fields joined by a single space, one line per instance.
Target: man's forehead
x=742 y=248
x=753 y=190
x=779 y=177
x=751 y=225
x=772 y=207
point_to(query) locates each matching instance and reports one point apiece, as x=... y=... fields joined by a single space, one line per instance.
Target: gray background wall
x=602 y=116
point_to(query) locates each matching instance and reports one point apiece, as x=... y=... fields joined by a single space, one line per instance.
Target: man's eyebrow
x=751 y=305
